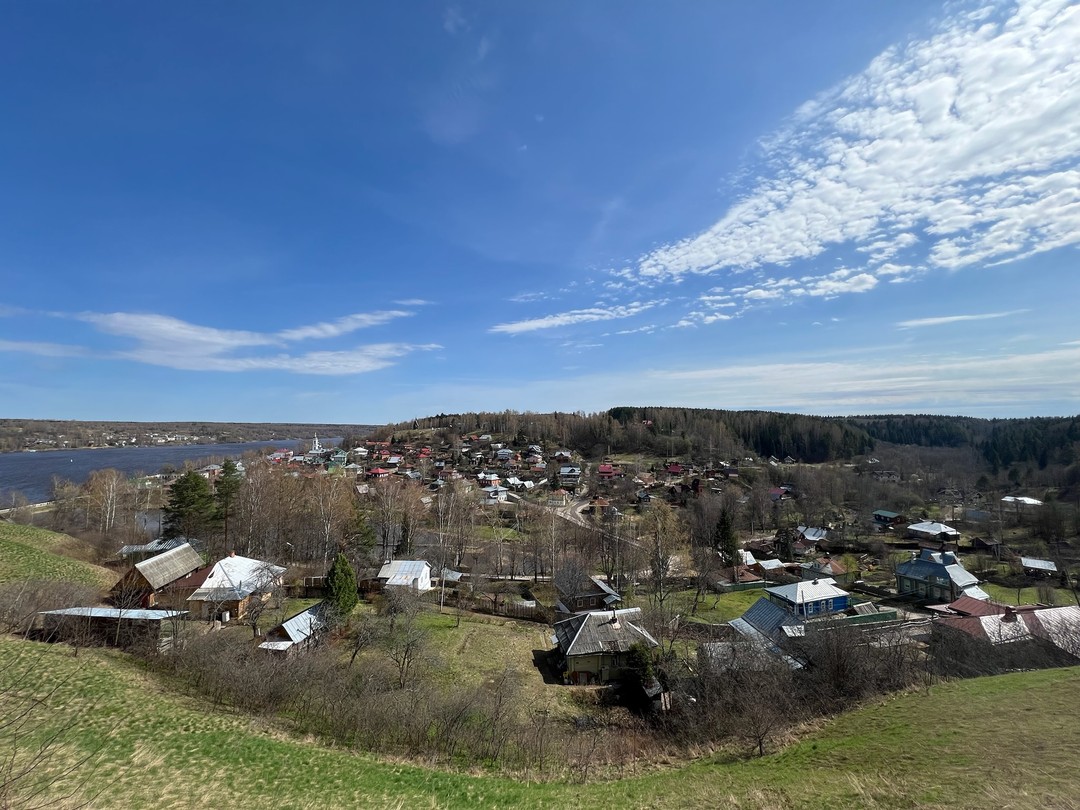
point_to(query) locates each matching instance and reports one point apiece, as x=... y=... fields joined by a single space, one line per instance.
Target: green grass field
x=27 y=552
x=990 y=742
x=1027 y=596
x=713 y=608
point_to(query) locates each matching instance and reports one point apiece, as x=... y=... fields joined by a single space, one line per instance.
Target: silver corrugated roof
x=169 y=566
x=807 y=591
x=235 y=578
x=403 y=573
x=115 y=613
x=1037 y=564
x=303 y=624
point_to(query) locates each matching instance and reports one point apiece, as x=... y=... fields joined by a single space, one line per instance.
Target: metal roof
x=116 y=613
x=169 y=566
x=276 y=645
x=153 y=547
x=1037 y=564
x=761 y=640
x=404 y=573
x=301 y=626
x=932 y=527
x=235 y=578
x=942 y=565
x=765 y=617
x=610 y=631
x=799 y=593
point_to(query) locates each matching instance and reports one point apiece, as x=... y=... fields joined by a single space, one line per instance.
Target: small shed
x=414 y=574
x=297 y=633
x=1038 y=568
x=117 y=627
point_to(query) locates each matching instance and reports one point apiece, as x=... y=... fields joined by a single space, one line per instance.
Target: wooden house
x=144 y=584
x=231 y=585
x=593 y=647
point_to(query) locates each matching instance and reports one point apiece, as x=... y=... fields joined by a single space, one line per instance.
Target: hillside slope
x=992 y=742
x=27 y=552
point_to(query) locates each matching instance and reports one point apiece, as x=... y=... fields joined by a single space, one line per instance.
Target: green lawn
x=27 y=552
x=989 y=742
x=1027 y=596
x=713 y=608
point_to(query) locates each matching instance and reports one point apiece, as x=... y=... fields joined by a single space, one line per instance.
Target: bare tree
x=405 y=639
x=662 y=534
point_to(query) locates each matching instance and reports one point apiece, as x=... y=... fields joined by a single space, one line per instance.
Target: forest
x=707 y=436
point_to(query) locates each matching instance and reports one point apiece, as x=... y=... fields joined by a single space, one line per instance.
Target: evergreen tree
x=191 y=509
x=228 y=484
x=724 y=538
x=341 y=587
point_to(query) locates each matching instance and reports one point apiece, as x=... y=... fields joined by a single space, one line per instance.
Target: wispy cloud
x=870 y=379
x=413 y=302
x=174 y=335
x=946 y=319
x=964 y=145
x=342 y=326
x=575 y=316
x=163 y=340
x=454 y=21
x=528 y=297
x=42 y=349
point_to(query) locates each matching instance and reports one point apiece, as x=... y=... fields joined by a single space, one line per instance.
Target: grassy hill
x=993 y=742
x=27 y=552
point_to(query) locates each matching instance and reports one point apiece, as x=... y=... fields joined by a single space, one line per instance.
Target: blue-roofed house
x=763 y=625
x=938 y=576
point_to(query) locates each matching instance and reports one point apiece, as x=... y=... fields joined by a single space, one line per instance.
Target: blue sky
x=358 y=213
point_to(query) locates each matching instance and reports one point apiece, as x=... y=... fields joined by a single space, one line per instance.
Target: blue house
x=809 y=598
x=937 y=575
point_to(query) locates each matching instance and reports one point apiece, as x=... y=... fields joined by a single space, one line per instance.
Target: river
x=31 y=473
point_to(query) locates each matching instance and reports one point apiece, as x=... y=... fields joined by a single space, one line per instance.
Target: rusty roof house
x=592 y=647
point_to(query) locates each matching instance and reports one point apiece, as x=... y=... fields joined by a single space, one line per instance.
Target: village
x=645 y=582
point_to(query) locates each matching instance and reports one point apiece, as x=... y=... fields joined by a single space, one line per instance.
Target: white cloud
x=163 y=340
x=342 y=326
x=413 y=302
x=970 y=138
x=574 y=317
x=454 y=21
x=350 y=361
x=835 y=284
x=173 y=334
x=946 y=319
x=525 y=298
x=41 y=349
x=871 y=379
